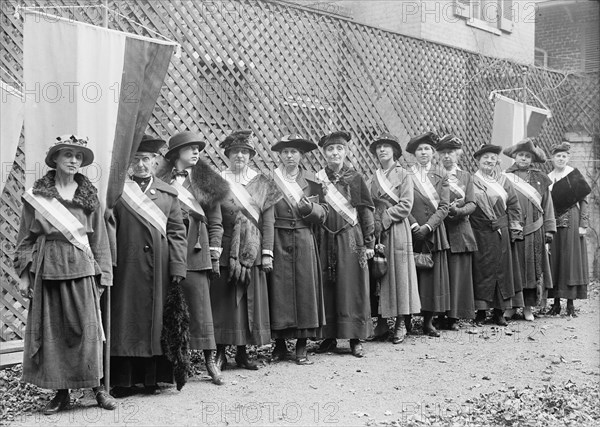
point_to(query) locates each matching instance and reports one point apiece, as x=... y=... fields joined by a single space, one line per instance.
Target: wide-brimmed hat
x=150 y=144
x=294 y=141
x=239 y=139
x=561 y=147
x=74 y=142
x=427 y=138
x=449 y=142
x=528 y=146
x=487 y=148
x=337 y=137
x=386 y=138
x=183 y=139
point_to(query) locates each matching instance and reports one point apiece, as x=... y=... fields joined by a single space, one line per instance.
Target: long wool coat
x=63 y=338
x=145 y=262
x=399 y=289
x=296 y=286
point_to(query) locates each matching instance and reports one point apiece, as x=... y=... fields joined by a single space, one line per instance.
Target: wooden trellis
x=277 y=68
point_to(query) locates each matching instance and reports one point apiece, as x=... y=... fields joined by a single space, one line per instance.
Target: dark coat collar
x=86 y=195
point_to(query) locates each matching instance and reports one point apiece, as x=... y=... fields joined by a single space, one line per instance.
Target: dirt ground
x=423 y=380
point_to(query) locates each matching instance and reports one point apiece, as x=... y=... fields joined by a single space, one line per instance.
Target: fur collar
x=207 y=186
x=86 y=195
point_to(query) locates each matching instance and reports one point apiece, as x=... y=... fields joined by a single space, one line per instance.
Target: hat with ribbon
x=239 y=139
x=427 y=138
x=449 y=142
x=386 y=138
x=73 y=142
x=294 y=141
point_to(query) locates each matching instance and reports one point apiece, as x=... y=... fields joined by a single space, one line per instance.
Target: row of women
x=284 y=256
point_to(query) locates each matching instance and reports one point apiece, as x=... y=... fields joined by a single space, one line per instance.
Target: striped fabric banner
x=337 y=200
x=187 y=198
x=137 y=200
x=386 y=185
x=92 y=82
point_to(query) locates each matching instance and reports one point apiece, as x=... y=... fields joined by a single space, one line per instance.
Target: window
x=489 y=15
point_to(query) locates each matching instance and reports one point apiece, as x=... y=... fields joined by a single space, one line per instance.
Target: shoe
x=571 y=311
x=151 y=389
x=212 y=368
x=280 y=352
x=120 y=392
x=328 y=345
x=59 y=402
x=356 y=348
x=105 y=400
x=527 y=314
x=554 y=310
x=221 y=357
x=241 y=359
x=304 y=361
x=431 y=332
x=408 y=324
x=452 y=325
x=399 y=333
x=480 y=317
x=499 y=318
x=509 y=313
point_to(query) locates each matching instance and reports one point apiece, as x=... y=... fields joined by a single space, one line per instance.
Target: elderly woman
x=539 y=225
x=460 y=235
x=392 y=192
x=64 y=263
x=296 y=285
x=200 y=191
x=496 y=223
x=151 y=256
x=346 y=245
x=430 y=208
x=239 y=297
x=568 y=259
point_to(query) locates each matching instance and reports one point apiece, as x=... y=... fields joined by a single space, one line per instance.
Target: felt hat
x=528 y=146
x=427 y=138
x=150 y=144
x=70 y=141
x=386 y=138
x=337 y=137
x=239 y=139
x=183 y=139
x=294 y=141
x=487 y=148
x=449 y=142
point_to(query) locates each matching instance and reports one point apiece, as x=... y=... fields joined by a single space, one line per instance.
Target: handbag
x=379 y=264
x=424 y=260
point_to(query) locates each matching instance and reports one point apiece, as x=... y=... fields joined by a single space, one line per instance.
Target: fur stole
x=86 y=195
x=354 y=187
x=206 y=185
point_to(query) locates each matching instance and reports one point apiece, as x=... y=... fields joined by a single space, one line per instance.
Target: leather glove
x=421 y=233
x=176 y=279
x=549 y=237
x=304 y=206
x=516 y=235
x=267 y=263
x=235 y=270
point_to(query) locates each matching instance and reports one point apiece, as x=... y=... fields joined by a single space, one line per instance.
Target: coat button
x=293 y=223
x=146 y=248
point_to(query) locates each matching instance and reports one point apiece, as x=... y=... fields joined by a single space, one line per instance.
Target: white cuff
x=219 y=250
x=267 y=253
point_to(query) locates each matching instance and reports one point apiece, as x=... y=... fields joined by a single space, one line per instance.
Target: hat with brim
x=337 y=137
x=181 y=140
x=386 y=138
x=528 y=146
x=429 y=138
x=449 y=142
x=294 y=141
x=487 y=148
x=150 y=144
x=73 y=142
x=563 y=147
x=239 y=139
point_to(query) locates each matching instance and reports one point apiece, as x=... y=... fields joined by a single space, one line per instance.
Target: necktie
x=177 y=173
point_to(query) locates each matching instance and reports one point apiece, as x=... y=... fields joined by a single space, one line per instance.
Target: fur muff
x=568 y=191
x=86 y=195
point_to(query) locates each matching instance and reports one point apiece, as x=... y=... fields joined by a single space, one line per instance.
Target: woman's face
x=560 y=159
x=68 y=160
x=142 y=164
x=488 y=162
x=523 y=159
x=239 y=158
x=188 y=156
x=335 y=154
x=290 y=157
x=449 y=158
x=424 y=154
x=385 y=152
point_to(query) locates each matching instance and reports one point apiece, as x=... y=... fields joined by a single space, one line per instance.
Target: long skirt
x=196 y=288
x=245 y=321
x=568 y=262
x=434 y=286
x=461 y=286
x=498 y=302
x=65 y=327
x=148 y=371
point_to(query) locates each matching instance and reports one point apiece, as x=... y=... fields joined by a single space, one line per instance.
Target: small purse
x=424 y=260
x=379 y=264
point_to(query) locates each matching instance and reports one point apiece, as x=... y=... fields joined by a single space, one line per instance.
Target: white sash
x=290 y=189
x=61 y=219
x=242 y=198
x=494 y=188
x=143 y=206
x=337 y=200
x=386 y=185
x=453 y=182
x=188 y=198
x=526 y=190
x=425 y=187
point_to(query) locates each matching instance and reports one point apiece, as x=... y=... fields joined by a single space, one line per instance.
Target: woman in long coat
x=539 y=225
x=460 y=235
x=296 y=285
x=568 y=259
x=429 y=210
x=392 y=192
x=151 y=254
x=347 y=242
x=239 y=297
x=200 y=192
x=496 y=223
x=64 y=264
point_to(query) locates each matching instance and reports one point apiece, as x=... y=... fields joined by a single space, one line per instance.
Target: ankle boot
x=571 y=308
x=59 y=402
x=280 y=350
x=499 y=317
x=408 y=323
x=212 y=368
x=480 y=317
x=221 y=357
x=399 y=330
x=428 y=328
x=301 y=357
x=241 y=358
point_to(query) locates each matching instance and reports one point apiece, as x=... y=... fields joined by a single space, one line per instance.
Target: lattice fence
x=277 y=68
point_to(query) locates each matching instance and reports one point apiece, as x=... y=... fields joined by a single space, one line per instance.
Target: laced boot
x=212 y=368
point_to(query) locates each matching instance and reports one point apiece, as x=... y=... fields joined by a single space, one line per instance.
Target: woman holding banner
x=346 y=245
x=296 y=286
x=240 y=302
x=151 y=257
x=392 y=191
x=64 y=263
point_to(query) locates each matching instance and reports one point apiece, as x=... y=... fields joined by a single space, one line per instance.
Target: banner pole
x=524 y=102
